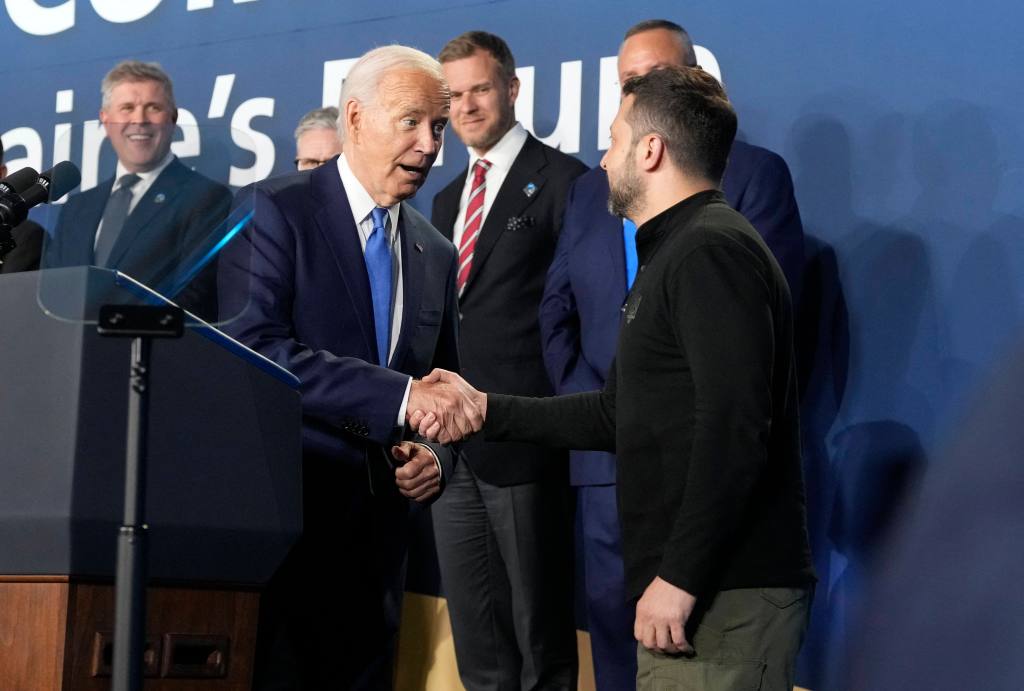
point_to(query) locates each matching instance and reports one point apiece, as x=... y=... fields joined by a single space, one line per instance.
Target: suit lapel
x=160 y=197
x=338 y=229
x=510 y=202
x=82 y=237
x=447 y=211
x=608 y=230
x=414 y=259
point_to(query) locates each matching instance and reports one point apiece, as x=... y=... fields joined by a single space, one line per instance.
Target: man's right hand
x=444 y=408
x=443 y=423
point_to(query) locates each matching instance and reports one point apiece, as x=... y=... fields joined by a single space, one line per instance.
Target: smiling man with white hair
x=352 y=290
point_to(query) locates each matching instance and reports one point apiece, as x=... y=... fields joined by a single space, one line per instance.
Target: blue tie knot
x=379 y=215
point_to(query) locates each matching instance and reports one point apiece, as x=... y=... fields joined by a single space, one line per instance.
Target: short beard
x=486 y=141
x=624 y=197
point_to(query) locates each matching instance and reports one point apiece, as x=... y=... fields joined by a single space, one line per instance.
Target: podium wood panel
x=33 y=626
x=49 y=626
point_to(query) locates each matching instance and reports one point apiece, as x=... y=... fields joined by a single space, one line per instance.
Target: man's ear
x=353 y=119
x=513 y=90
x=653 y=153
x=3 y=171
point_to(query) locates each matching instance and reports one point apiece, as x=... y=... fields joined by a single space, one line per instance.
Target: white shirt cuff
x=405 y=403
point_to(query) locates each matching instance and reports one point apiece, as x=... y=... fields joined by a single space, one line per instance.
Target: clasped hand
x=417 y=475
x=443 y=407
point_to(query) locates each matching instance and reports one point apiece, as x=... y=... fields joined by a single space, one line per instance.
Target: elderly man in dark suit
x=503 y=527
x=593 y=268
x=155 y=213
x=343 y=283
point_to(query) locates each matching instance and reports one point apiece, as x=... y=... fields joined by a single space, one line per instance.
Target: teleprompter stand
x=141 y=323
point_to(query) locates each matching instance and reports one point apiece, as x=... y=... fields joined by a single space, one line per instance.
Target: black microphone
x=51 y=184
x=18 y=182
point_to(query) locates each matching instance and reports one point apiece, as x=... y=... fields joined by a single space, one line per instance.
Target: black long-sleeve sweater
x=700 y=407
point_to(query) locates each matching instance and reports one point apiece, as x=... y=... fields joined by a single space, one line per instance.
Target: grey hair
x=365 y=76
x=136 y=71
x=317 y=119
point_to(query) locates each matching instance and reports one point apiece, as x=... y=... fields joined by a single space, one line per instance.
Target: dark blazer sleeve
x=257 y=282
x=769 y=203
x=559 y=316
x=202 y=224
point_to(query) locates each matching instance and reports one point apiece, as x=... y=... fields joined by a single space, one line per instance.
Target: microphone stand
x=7 y=242
x=141 y=323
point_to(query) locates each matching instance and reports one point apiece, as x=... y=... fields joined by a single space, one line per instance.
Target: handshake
x=443 y=407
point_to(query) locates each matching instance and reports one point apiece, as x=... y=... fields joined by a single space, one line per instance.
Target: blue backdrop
x=901 y=123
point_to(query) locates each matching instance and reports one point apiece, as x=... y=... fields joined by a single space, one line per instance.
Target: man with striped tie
x=503 y=526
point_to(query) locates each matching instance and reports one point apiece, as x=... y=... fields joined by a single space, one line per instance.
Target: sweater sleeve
x=721 y=315
x=584 y=421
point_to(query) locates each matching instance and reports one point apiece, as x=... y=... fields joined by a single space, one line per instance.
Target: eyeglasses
x=309 y=163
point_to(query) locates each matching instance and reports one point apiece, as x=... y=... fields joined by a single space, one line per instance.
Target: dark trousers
x=746 y=640
x=506 y=556
x=329 y=617
x=609 y=615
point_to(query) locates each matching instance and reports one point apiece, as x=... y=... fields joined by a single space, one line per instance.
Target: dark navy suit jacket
x=178 y=215
x=297 y=279
x=500 y=339
x=586 y=284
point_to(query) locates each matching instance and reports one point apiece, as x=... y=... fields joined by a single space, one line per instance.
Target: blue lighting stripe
x=184 y=281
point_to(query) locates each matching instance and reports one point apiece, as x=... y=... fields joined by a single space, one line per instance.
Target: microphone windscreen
x=19 y=181
x=63 y=178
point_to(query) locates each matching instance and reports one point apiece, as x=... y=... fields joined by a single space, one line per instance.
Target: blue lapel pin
x=419 y=247
x=529 y=189
x=160 y=198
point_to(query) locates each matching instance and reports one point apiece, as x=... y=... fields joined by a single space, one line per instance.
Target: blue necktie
x=378 y=267
x=629 y=240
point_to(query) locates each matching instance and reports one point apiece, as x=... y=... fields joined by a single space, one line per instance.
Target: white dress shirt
x=361 y=203
x=140 y=188
x=501 y=156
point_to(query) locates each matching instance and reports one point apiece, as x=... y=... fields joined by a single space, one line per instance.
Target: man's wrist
x=405 y=403
x=437 y=460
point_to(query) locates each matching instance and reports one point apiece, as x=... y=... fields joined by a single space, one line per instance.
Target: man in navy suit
x=154 y=213
x=352 y=290
x=579 y=318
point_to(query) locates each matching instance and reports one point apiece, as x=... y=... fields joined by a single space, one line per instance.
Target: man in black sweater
x=700 y=406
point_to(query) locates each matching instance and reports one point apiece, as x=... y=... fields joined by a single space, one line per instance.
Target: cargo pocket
x=783 y=597
x=682 y=674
